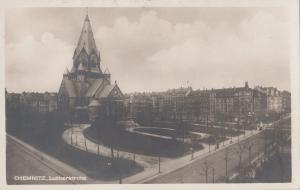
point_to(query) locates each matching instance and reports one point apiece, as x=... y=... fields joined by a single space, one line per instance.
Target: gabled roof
x=86 y=39
x=94 y=87
x=67 y=88
x=73 y=69
x=106 y=71
x=105 y=92
x=81 y=87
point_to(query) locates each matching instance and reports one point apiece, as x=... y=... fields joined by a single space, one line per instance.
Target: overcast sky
x=151 y=49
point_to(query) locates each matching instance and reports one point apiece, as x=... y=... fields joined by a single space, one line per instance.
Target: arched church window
x=83 y=58
x=93 y=60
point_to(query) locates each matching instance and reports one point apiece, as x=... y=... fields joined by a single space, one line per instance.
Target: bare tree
x=266 y=139
x=158 y=161
x=224 y=136
x=240 y=152
x=248 y=145
x=71 y=135
x=226 y=158
x=85 y=143
x=205 y=169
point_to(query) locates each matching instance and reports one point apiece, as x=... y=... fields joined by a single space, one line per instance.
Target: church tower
x=86 y=58
x=85 y=82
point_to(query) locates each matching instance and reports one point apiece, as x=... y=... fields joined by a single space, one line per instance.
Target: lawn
x=138 y=143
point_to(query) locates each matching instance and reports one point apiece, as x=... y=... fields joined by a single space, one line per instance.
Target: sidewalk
x=58 y=166
x=74 y=136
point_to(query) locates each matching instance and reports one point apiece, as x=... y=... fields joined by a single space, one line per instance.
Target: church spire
x=87 y=15
x=86 y=40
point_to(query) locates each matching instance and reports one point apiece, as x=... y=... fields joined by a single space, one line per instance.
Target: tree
x=240 y=152
x=205 y=169
x=266 y=139
x=213 y=174
x=226 y=158
x=249 y=146
x=158 y=161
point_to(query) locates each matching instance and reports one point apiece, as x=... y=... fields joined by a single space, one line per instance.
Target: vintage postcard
x=151 y=93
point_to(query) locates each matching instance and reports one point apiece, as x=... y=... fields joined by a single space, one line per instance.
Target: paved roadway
x=195 y=172
x=19 y=162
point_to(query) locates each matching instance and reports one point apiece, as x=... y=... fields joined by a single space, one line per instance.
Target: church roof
x=94 y=87
x=106 y=71
x=86 y=39
x=106 y=91
x=66 y=71
x=100 y=88
x=68 y=88
x=81 y=87
x=73 y=69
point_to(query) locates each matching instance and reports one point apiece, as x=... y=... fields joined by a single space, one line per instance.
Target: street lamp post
x=217 y=143
x=213 y=174
x=76 y=141
x=192 y=153
x=224 y=137
x=249 y=148
x=159 y=162
x=226 y=158
x=72 y=136
x=119 y=167
x=205 y=168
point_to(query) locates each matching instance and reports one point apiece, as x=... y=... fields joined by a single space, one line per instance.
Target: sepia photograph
x=148 y=95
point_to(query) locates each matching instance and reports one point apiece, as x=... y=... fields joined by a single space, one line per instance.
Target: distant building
x=37 y=102
x=242 y=104
x=274 y=99
x=86 y=81
x=140 y=107
x=238 y=104
x=286 y=101
x=200 y=106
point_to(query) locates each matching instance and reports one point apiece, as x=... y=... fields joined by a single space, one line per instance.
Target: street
x=21 y=163
x=196 y=171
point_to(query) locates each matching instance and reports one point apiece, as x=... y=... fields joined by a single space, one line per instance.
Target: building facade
x=241 y=104
x=33 y=101
x=277 y=101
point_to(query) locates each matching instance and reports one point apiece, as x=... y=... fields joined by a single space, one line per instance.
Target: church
x=86 y=86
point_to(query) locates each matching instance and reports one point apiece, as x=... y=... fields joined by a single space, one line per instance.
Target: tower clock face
x=116 y=92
